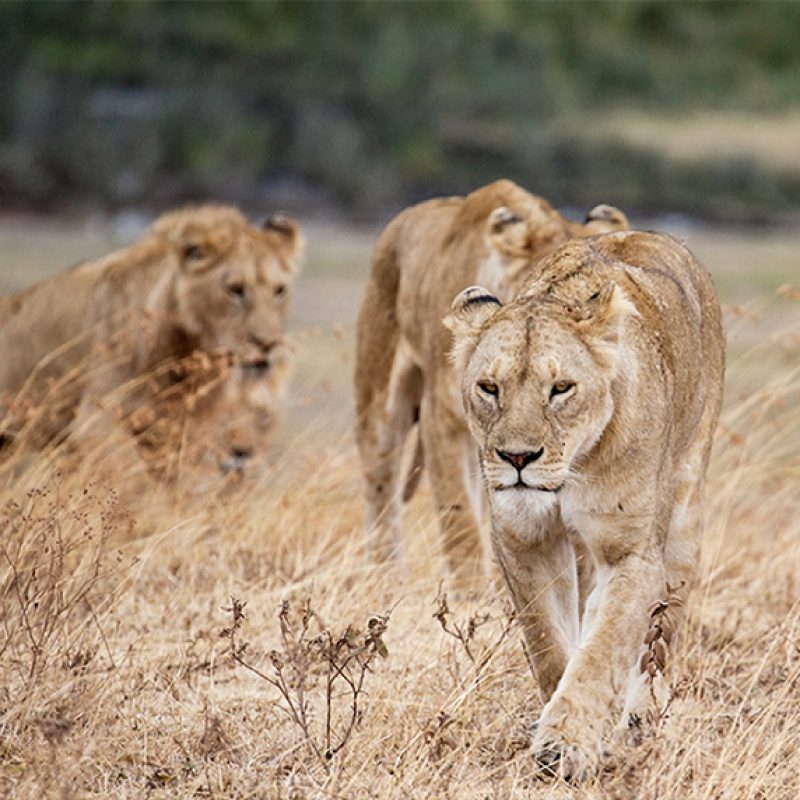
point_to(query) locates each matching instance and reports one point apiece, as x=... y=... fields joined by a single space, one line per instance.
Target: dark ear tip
x=473 y=296
x=501 y=217
x=281 y=223
x=605 y=213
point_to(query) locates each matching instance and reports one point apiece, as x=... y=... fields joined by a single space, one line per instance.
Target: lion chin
x=518 y=506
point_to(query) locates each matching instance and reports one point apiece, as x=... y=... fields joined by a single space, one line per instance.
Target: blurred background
x=356 y=109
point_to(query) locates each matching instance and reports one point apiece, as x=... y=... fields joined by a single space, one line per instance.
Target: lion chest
x=610 y=523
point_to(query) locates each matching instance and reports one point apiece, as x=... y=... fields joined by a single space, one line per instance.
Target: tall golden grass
x=242 y=647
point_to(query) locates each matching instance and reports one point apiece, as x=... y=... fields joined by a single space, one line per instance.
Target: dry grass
x=121 y=669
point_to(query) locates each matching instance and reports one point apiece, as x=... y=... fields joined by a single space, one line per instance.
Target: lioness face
x=245 y=419
x=232 y=424
x=536 y=387
x=234 y=283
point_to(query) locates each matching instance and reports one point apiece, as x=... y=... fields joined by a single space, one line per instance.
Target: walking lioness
x=593 y=397
x=427 y=254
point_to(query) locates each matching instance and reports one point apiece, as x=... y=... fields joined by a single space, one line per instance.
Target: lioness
x=424 y=256
x=101 y=337
x=593 y=397
x=216 y=423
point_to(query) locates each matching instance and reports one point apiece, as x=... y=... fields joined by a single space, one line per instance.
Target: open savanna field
x=237 y=644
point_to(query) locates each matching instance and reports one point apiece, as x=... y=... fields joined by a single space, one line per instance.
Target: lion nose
x=520 y=460
x=264 y=344
x=237 y=459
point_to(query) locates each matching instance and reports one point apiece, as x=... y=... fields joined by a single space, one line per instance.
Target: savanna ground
x=123 y=666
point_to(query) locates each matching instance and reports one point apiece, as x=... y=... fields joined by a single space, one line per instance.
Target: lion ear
x=606 y=219
x=470 y=310
x=286 y=233
x=199 y=247
x=514 y=236
x=500 y=219
x=603 y=318
x=506 y=232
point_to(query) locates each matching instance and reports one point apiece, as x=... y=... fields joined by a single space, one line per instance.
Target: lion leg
x=381 y=435
x=569 y=734
x=649 y=682
x=452 y=469
x=586 y=577
x=540 y=572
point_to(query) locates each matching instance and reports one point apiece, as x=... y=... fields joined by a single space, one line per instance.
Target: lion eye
x=279 y=290
x=561 y=387
x=487 y=387
x=236 y=289
x=194 y=252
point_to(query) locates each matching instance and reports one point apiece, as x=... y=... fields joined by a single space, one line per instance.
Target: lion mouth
x=256 y=367
x=521 y=485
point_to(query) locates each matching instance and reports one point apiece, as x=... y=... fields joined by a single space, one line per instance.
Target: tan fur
x=101 y=340
x=424 y=256
x=598 y=389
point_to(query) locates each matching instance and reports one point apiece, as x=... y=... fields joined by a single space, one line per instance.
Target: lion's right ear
x=469 y=312
x=507 y=233
x=200 y=246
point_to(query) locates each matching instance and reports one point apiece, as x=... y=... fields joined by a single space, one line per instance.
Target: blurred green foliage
x=375 y=104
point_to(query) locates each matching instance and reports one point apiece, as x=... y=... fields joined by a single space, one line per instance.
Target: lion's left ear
x=603 y=318
x=606 y=219
x=287 y=235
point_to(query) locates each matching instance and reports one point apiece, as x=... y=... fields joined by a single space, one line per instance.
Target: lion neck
x=625 y=433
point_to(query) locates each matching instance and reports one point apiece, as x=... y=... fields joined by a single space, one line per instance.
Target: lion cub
x=593 y=398
x=425 y=255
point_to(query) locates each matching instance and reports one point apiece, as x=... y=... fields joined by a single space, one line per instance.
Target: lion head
x=232 y=283
x=518 y=238
x=245 y=417
x=536 y=383
x=233 y=419
x=216 y=421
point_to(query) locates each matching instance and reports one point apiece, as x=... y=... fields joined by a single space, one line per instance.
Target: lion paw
x=572 y=757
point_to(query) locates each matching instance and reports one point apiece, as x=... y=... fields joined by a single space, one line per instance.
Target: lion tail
x=376 y=327
x=414 y=472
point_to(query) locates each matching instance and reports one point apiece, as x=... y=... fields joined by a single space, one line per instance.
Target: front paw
x=646 y=709
x=567 y=752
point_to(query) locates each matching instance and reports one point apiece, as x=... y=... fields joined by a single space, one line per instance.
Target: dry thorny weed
x=310 y=671
x=154 y=407
x=465 y=632
x=54 y=579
